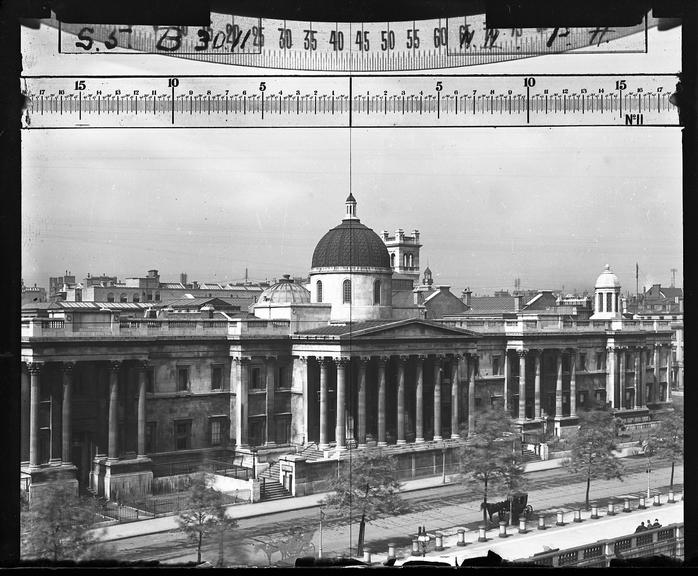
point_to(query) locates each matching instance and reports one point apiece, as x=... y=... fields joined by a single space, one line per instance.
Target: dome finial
x=350 y=204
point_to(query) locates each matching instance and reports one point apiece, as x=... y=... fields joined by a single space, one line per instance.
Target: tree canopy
x=59 y=526
x=592 y=449
x=373 y=470
x=488 y=458
x=667 y=440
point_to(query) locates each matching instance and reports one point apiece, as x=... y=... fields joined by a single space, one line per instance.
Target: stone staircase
x=312 y=452
x=273 y=490
x=529 y=456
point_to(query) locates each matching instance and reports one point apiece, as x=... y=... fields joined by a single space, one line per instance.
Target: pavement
x=251 y=510
x=517 y=546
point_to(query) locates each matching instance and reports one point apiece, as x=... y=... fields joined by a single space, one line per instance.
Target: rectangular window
x=150 y=437
x=599 y=360
x=496 y=365
x=256 y=379
x=216 y=377
x=182 y=378
x=582 y=361
x=182 y=434
x=150 y=380
x=217 y=430
x=282 y=377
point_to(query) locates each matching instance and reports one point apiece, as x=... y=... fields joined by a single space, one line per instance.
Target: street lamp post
x=320 y=549
x=254 y=462
x=443 y=465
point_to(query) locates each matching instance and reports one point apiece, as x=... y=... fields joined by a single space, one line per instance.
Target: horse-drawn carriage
x=519 y=503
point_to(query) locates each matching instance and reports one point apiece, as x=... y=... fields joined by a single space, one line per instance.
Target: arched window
x=110 y=297
x=123 y=297
x=405 y=261
x=392 y=260
x=157 y=296
x=136 y=298
x=599 y=302
x=346 y=292
x=318 y=287
x=377 y=292
x=609 y=305
x=411 y=260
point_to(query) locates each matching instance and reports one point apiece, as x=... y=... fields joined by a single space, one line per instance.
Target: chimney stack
x=466 y=296
x=517 y=302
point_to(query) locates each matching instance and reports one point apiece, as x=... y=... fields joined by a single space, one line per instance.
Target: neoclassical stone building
x=115 y=394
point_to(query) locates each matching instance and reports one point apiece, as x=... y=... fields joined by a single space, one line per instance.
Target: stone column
x=363 y=362
x=472 y=371
x=536 y=391
x=142 y=372
x=621 y=379
x=35 y=391
x=643 y=375
x=382 y=361
x=240 y=382
x=113 y=450
x=657 y=371
x=270 y=365
x=610 y=373
x=101 y=372
x=25 y=413
x=522 y=384
x=638 y=378
x=558 y=386
x=66 y=425
x=401 y=400
x=324 y=368
x=507 y=376
x=340 y=427
x=419 y=404
x=668 y=374
x=455 y=396
x=573 y=383
x=437 y=398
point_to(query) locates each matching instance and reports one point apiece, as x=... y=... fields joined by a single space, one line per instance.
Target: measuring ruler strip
x=343 y=46
x=349 y=101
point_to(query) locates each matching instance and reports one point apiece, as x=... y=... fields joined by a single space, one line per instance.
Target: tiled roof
x=403 y=298
x=491 y=304
x=351 y=244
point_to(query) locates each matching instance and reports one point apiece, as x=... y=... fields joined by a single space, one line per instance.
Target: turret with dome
x=351 y=270
x=607 y=296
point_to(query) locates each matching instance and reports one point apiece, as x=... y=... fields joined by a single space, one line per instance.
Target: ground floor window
x=218 y=427
x=182 y=434
x=257 y=431
x=150 y=435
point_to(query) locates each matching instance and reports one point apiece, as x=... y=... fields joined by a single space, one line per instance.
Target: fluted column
x=340 y=427
x=240 y=382
x=507 y=377
x=522 y=383
x=558 y=386
x=455 y=396
x=34 y=398
x=401 y=400
x=536 y=384
x=142 y=369
x=610 y=373
x=363 y=362
x=419 y=404
x=668 y=374
x=621 y=379
x=437 y=399
x=66 y=424
x=472 y=371
x=573 y=383
x=638 y=378
x=643 y=375
x=324 y=372
x=113 y=450
x=270 y=421
x=382 y=361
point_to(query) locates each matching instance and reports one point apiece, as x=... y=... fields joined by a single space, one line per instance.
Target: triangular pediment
x=411 y=328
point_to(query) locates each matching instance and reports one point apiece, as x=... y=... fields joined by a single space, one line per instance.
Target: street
x=436 y=508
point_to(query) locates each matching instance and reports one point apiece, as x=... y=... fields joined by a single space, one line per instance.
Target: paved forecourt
x=521 y=546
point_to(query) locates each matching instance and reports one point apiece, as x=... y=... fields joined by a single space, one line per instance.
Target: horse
x=496 y=507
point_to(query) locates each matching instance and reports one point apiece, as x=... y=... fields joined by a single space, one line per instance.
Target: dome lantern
x=607 y=296
x=350 y=205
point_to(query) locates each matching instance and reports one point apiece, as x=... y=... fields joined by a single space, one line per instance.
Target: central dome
x=351 y=244
x=285 y=291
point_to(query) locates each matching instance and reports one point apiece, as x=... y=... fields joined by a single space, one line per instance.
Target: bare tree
x=668 y=439
x=592 y=449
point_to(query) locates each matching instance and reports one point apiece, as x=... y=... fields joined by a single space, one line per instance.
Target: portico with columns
x=384 y=383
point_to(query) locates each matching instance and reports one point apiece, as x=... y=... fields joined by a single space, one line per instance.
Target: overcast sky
x=550 y=206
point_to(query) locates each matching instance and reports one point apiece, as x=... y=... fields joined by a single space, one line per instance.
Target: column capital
x=421 y=357
x=342 y=361
x=439 y=357
x=325 y=362
x=364 y=359
x=271 y=357
x=143 y=365
x=241 y=359
x=403 y=358
x=611 y=349
x=456 y=356
x=115 y=365
x=383 y=360
x=522 y=353
x=473 y=355
x=67 y=367
x=34 y=367
x=303 y=359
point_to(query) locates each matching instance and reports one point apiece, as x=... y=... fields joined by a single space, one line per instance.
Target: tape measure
x=347 y=47
x=333 y=101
